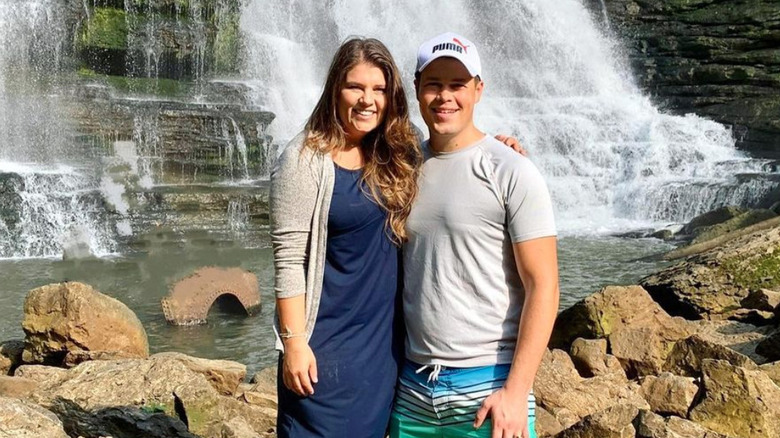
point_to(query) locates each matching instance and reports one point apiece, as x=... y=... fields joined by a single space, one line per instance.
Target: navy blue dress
x=357 y=338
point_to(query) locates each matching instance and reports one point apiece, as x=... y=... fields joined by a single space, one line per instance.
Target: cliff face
x=716 y=58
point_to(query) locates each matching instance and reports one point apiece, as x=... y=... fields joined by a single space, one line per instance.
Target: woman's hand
x=299 y=367
x=512 y=143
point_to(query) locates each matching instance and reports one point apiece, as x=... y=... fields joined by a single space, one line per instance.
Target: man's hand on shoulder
x=508 y=412
x=512 y=143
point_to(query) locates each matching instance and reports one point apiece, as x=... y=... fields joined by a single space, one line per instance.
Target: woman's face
x=361 y=104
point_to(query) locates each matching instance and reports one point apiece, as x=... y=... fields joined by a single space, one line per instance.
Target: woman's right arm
x=293 y=199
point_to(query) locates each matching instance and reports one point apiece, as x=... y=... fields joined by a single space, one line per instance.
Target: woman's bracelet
x=290 y=335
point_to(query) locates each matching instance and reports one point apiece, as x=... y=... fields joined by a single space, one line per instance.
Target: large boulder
x=642 y=351
x=737 y=401
x=73 y=317
x=687 y=356
x=711 y=284
x=158 y=397
x=569 y=398
x=762 y=299
x=21 y=419
x=612 y=309
x=669 y=394
x=772 y=369
x=16 y=387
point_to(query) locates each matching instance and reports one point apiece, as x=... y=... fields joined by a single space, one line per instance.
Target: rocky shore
x=693 y=351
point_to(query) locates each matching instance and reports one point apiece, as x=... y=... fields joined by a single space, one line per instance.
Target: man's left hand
x=512 y=143
x=508 y=412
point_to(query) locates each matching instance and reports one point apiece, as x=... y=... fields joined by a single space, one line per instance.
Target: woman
x=340 y=196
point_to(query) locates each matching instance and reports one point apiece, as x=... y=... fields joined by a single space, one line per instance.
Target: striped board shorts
x=442 y=402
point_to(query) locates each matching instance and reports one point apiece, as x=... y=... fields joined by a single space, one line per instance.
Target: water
x=553 y=78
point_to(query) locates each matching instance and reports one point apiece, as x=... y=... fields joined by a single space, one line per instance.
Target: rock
x=687 y=356
x=736 y=336
x=762 y=299
x=63 y=318
x=42 y=373
x=753 y=316
x=237 y=428
x=546 y=425
x=613 y=309
x=591 y=358
x=710 y=218
x=10 y=356
x=16 y=387
x=715 y=282
x=737 y=401
x=668 y=394
x=664 y=234
x=191 y=298
x=21 y=419
x=641 y=351
x=772 y=369
x=743 y=220
x=770 y=347
x=224 y=375
x=652 y=425
x=569 y=398
x=158 y=397
x=708 y=58
x=262 y=392
x=613 y=422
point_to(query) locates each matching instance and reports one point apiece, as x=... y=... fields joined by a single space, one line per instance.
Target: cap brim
x=436 y=56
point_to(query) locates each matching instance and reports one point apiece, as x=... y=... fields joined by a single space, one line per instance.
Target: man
x=481 y=277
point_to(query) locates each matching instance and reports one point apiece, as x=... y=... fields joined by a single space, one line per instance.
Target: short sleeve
x=529 y=210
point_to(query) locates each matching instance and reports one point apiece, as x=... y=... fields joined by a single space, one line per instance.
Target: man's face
x=447 y=94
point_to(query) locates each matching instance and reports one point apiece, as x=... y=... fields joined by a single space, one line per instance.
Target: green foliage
x=106 y=29
x=227 y=45
x=154 y=408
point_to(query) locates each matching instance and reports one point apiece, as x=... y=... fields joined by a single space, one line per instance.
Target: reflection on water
x=141 y=280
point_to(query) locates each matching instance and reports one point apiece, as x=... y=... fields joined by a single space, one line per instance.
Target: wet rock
x=62 y=318
x=715 y=282
x=762 y=299
x=16 y=387
x=664 y=234
x=711 y=218
x=743 y=220
x=611 y=310
x=737 y=401
x=770 y=347
x=668 y=394
x=652 y=425
x=687 y=356
x=613 y=422
x=224 y=375
x=569 y=398
x=10 y=200
x=10 y=356
x=21 y=419
x=591 y=358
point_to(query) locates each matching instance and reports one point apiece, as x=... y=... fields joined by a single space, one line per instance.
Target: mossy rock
x=741 y=221
x=106 y=29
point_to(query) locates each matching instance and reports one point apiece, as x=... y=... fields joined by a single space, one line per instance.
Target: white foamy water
x=555 y=80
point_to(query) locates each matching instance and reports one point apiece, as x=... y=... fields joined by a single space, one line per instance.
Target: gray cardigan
x=301 y=189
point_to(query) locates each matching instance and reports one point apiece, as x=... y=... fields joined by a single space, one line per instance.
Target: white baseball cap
x=449 y=45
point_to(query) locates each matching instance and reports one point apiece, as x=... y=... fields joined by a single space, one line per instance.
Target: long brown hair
x=391 y=151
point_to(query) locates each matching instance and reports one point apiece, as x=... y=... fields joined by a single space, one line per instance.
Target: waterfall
x=553 y=79
x=49 y=185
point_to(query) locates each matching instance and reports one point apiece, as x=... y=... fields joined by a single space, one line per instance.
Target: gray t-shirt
x=462 y=294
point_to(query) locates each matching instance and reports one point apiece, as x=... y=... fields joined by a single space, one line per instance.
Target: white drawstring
x=434 y=375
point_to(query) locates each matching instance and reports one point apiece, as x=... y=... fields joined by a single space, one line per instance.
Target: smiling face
x=361 y=101
x=447 y=94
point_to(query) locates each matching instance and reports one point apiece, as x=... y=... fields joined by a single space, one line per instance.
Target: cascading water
x=612 y=160
x=50 y=189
